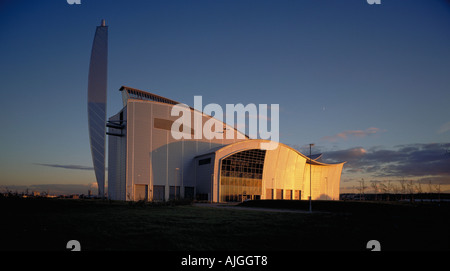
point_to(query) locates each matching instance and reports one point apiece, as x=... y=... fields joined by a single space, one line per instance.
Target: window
x=162 y=124
x=279 y=194
x=189 y=192
x=288 y=194
x=204 y=161
x=297 y=194
x=166 y=124
x=158 y=192
x=174 y=192
x=241 y=175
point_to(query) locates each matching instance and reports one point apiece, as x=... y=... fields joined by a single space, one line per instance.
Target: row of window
x=204 y=161
x=283 y=194
x=253 y=175
x=159 y=192
x=242 y=163
x=255 y=155
x=245 y=164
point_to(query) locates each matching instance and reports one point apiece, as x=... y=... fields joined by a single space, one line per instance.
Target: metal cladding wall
x=283 y=169
x=204 y=174
x=97 y=84
x=153 y=158
x=286 y=171
x=325 y=181
x=117 y=148
x=289 y=170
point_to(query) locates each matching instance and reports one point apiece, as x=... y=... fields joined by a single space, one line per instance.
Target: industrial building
x=146 y=163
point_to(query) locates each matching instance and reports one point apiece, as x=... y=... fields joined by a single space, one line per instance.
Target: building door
x=141 y=192
x=158 y=192
x=297 y=194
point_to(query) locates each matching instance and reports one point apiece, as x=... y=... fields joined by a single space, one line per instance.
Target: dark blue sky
x=351 y=77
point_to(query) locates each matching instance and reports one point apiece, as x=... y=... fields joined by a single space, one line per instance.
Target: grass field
x=48 y=224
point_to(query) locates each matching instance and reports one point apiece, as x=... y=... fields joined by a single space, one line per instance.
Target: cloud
x=352 y=133
x=444 y=128
x=352 y=154
x=435 y=180
x=78 y=167
x=411 y=160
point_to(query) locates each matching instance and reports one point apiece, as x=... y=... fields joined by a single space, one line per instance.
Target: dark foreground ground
x=48 y=224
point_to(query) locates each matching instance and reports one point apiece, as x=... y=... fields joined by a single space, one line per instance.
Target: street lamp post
x=176 y=182
x=310 y=174
x=212 y=188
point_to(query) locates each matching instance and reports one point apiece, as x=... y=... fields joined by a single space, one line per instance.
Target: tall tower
x=97 y=84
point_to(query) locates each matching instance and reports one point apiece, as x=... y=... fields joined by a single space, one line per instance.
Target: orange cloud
x=352 y=133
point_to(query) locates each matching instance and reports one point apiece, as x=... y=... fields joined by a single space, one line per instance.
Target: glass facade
x=241 y=175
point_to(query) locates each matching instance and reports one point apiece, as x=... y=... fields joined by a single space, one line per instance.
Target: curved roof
x=251 y=141
x=315 y=156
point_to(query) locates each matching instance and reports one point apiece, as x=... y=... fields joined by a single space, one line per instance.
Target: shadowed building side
x=97 y=85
